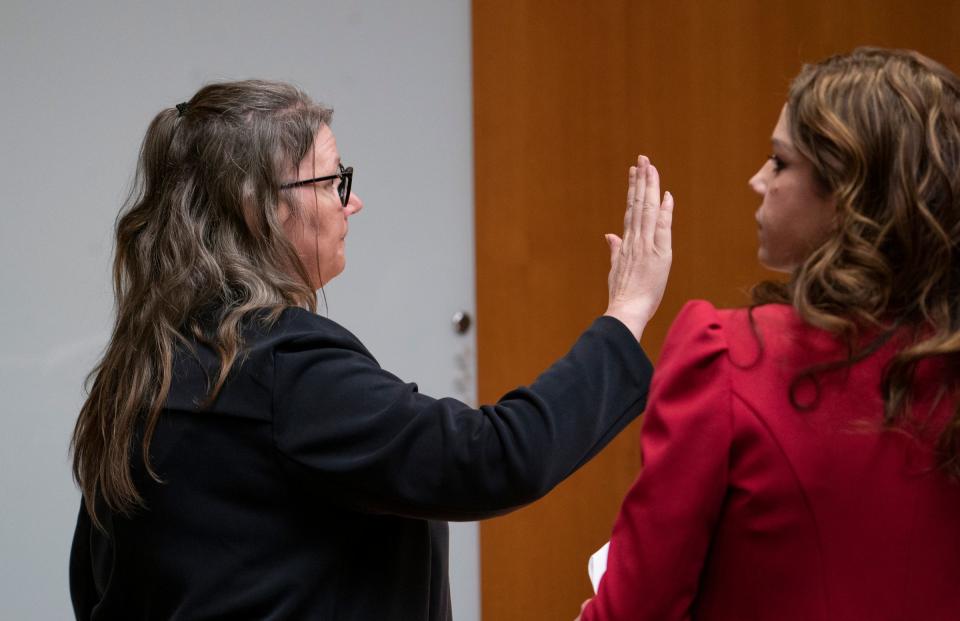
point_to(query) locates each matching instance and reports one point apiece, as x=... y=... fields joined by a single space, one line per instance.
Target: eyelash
x=778 y=164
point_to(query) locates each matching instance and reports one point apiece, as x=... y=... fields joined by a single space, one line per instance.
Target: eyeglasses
x=345 y=175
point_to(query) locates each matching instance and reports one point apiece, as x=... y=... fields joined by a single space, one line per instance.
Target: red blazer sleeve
x=662 y=533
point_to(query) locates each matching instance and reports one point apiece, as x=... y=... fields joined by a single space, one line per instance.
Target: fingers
x=647 y=219
x=583 y=607
x=651 y=204
x=631 y=197
x=631 y=186
x=634 y=227
x=663 y=235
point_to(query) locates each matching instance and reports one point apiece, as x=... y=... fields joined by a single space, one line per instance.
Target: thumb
x=614 y=242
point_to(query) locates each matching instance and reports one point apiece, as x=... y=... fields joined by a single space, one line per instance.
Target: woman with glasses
x=802 y=456
x=240 y=456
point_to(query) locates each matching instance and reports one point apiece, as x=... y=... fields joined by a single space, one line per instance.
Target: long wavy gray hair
x=198 y=247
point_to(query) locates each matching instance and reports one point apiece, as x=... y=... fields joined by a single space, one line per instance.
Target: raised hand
x=640 y=261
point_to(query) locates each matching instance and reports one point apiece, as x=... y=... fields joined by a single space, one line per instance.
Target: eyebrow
x=337 y=167
x=782 y=144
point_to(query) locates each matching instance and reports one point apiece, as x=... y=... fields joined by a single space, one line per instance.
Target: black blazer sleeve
x=368 y=441
x=83 y=590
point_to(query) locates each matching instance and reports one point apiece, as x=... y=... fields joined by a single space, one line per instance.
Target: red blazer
x=750 y=509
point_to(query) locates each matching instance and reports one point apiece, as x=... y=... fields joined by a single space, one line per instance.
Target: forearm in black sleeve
x=372 y=442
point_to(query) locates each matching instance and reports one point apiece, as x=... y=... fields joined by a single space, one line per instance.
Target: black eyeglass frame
x=345 y=175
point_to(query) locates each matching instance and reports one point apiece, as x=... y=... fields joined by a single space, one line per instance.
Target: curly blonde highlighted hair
x=882 y=129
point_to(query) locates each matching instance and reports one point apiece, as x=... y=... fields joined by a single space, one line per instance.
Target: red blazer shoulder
x=770 y=493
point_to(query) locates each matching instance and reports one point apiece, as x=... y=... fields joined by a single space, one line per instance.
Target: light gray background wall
x=79 y=83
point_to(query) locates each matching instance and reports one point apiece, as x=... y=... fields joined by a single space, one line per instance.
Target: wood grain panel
x=566 y=94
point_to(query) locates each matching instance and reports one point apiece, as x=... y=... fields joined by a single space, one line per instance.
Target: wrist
x=633 y=323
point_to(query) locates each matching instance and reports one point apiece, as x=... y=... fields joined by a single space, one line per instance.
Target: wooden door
x=565 y=95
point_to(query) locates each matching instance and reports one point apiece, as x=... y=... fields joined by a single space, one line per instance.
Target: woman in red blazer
x=801 y=456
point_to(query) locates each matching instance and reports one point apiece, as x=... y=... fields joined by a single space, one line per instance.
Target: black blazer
x=315 y=485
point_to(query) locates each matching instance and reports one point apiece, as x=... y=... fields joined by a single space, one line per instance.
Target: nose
x=758 y=182
x=354 y=204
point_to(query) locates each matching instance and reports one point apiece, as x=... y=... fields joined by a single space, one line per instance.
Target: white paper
x=597 y=565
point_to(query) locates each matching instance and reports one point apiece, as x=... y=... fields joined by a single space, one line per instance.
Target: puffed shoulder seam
x=699 y=311
x=698 y=319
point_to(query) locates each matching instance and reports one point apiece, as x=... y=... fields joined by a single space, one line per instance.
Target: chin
x=328 y=277
x=775 y=267
x=764 y=260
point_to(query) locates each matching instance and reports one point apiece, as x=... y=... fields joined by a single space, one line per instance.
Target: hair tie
x=181 y=108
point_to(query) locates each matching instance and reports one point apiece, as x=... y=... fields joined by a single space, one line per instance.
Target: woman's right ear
x=283 y=212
